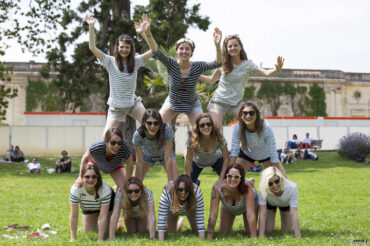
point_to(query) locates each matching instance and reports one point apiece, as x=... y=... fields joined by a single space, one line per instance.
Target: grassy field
x=334 y=198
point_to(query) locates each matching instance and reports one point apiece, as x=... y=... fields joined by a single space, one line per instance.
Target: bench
x=314 y=144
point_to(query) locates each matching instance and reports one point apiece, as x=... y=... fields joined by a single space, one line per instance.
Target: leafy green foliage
x=316 y=103
x=6 y=92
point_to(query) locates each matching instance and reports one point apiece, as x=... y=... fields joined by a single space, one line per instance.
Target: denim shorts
x=222 y=107
x=197 y=107
x=119 y=114
x=152 y=160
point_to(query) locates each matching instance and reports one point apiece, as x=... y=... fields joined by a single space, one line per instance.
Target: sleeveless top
x=238 y=209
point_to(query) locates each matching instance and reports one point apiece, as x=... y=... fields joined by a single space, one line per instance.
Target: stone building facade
x=347 y=94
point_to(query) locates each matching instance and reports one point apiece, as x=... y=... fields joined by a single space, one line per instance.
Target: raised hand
x=146 y=22
x=217 y=36
x=90 y=20
x=280 y=63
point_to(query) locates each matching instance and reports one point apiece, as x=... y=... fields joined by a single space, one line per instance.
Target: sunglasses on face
x=277 y=181
x=230 y=176
x=182 y=82
x=149 y=123
x=208 y=124
x=119 y=143
x=181 y=190
x=137 y=191
x=90 y=177
x=251 y=113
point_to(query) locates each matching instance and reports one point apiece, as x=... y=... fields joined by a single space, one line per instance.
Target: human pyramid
x=252 y=140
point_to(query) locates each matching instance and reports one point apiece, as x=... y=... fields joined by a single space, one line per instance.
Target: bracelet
x=170 y=181
x=149 y=36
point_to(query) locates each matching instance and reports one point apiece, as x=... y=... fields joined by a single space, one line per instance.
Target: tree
x=5 y=92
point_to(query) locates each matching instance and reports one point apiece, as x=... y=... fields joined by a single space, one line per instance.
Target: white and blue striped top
x=183 y=100
x=259 y=148
x=205 y=159
x=165 y=210
x=86 y=201
x=150 y=147
x=122 y=85
x=99 y=157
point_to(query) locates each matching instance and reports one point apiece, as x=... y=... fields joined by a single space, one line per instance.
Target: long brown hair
x=127 y=39
x=112 y=131
x=191 y=200
x=196 y=135
x=160 y=136
x=126 y=202
x=227 y=65
x=242 y=187
x=243 y=127
x=99 y=180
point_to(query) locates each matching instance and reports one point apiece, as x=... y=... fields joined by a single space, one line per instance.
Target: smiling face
x=274 y=184
x=124 y=48
x=249 y=115
x=89 y=179
x=233 y=47
x=182 y=193
x=205 y=126
x=133 y=192
x=152 y=126
x=233 y=178
x=114 y=144
x=184 y=51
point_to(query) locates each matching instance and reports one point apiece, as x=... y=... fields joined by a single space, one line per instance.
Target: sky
x=309 y=34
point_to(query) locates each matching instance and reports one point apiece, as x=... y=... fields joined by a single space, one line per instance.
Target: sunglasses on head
x=125 y=37
x=208 y=124
x=277 y=181
x=186 y=40
x=232 y=36
x=251 y=113
x=182 y=87
x=91 y=177
x=233 y=176
x=119 y=143
x=149 y=123
x=181 y=190
x=137 y=191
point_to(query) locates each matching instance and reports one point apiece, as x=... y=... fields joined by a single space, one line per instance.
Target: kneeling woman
x=206 y=147
x=137 y=207
x=153 y=142
x=237 y=197
x=96 y=201
x=185 y=199
x=276 y=191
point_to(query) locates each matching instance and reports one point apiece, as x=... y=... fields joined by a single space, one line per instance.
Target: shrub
x=355 y=146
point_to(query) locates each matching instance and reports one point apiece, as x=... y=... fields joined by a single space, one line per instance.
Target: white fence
x=51 y=140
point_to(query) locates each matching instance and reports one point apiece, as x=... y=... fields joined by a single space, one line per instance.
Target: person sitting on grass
x=64 y=164
x=34 y=166
x=275 y=191
x=287 y=156
x=298 y=154
x=96 y=200
x=237 y=197
x=137 y=206
x=9 y=153
x=18 y=155
x=185 y=199
x=310 y=154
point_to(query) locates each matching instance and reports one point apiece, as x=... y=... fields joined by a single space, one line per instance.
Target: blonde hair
x=266 y=175
x=126 y=202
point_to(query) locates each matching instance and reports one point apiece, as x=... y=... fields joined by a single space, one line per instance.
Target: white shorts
x=224 y=108
x=119 y=114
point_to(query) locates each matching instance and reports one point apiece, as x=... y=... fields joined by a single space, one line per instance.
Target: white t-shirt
x=288 y=198
x=32 y=165
x=88 y=202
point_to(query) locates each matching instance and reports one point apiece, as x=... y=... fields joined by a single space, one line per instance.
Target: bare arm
x=217 y=36
x=251 y=213
x=270 y=72
x=188 y=160
x=139 y=162
x=140 y=26
x=295 y=222
x=98 y=53
x=102 y=223
x=212 y=78
x=114 y=217
x=145 y=24
x=151 y=221
x=130 y=166
x=84 y=160
x=168 y=160
x=262 y=220
x=73 y=221
x=226 y=157
x=215 y=200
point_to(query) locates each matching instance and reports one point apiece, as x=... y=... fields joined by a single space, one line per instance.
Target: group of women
x=252 y=140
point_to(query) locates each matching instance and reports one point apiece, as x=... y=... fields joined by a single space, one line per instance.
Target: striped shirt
x=259 y=148
x=183 y=100
x=99 y=156
x=165 y=210
x=86 y=201
x=122 y=85
x=150 y=147
x=205 y=159
x=135 y=210
x=288 y=198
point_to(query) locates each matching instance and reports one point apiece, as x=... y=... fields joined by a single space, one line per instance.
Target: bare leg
x=172 y=223
x=119 y=176
x=173 y=170
x=226 y=220
x=167 y=114
x=193 y=117
x=142 y=224
x=90 y=222
x=270 y=220
x=217 y=117
x=110 y=124
x=236 y=113
x=286 y=221
x=277 y=165
x=138 y=114
x=245 y=164
x=131 y=225
x=144 y=170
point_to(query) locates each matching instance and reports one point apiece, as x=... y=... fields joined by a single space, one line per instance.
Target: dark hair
x=295 y=136
x=64 y=152
x=160 y=137
x=195 y=133
x=227 y=65
x=130 y=58
x=126 y=202
x=243 y=188
x=191 y=200
x=112 y=131
x=243 y=127
x=99 y=181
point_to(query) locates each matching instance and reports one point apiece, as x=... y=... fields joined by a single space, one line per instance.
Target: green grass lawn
x=334 y=198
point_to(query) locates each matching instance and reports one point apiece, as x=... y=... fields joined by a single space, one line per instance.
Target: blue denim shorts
x=197 y=107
